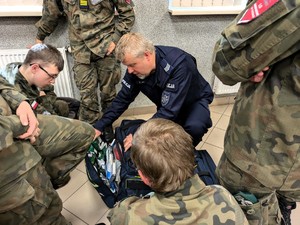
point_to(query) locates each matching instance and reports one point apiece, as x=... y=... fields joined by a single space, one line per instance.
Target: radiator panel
x=63 y=84
x=221 y=89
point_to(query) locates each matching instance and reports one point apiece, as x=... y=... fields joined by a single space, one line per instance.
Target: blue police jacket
x=174 y=87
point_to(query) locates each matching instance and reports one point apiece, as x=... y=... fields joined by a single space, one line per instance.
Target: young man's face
x=46 y=75
x=140 y=66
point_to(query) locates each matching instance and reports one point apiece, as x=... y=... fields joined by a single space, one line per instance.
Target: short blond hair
x=133 y=43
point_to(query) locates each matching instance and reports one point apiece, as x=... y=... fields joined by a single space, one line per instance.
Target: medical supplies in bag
x=103 y=170
x=114 y=175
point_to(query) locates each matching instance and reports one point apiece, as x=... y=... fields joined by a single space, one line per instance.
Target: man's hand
x=28 y=118
x=259 y=76
x=37 y=41
x=97 y=133
x=128 y=142
x=111 y=48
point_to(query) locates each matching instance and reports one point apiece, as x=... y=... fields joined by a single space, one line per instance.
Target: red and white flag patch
x=258 y=8
x=34 y=105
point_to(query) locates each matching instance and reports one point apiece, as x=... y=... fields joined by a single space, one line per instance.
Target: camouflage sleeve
x=226 y=197
x=47 y=101
x=49 y=91
x=125 y=19
x=10 y=128
x=119 y=215
x=45 y=105
x=50 y=17
x=8 y=92
x=246 y=48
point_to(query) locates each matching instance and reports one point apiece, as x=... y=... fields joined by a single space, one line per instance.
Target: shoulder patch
x=166 y=66
x=258 y=8
x=165 y=97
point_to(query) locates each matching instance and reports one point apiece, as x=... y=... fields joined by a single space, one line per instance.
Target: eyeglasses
x=52 y=76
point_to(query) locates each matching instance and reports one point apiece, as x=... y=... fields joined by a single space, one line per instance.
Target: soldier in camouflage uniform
x=164 y=155
x=36 y=83
x=30 y=168
x=262 y=142
x=94 y=30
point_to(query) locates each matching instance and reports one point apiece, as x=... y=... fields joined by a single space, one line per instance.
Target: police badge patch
x=165 y=98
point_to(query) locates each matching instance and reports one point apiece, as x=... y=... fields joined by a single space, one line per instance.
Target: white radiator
x=63 y=84
x=221 y=89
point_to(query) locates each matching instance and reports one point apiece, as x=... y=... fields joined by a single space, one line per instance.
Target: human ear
x=144 y=178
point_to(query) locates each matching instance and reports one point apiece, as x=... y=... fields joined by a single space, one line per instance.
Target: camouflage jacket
x=90 y=30
x=246 y=48
x=9 y=93
x=263 y=136
x=13 y=76
x=15 y=157
x=192 y=203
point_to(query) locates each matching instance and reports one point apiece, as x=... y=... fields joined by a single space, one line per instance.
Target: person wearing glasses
x=37 y=154
x=94 y=29
x=35 y=78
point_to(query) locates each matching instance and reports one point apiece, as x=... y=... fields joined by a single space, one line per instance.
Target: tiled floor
x=83 y=205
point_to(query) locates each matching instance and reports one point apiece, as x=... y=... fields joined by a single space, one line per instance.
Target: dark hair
x=164 y=152
x=44 y=54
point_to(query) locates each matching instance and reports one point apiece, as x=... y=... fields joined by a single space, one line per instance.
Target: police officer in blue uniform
x=169 y=77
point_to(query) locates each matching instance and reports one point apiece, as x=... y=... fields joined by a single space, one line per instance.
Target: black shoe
x=109 y=134
x=60 y=183
x=286 y=210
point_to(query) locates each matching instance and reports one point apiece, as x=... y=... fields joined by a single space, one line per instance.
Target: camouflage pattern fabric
x=51 y=103
x=63 y=145
x=4 y=107
x=47 y=103
x=10 y=95
x=106 y=72
x=192 y=203
x=15 y=157
x=61 y=107
x=266 y=211
x=26 y=193
x=262 y=141
x=246 y=49
x=31 y=198
x=91 y=31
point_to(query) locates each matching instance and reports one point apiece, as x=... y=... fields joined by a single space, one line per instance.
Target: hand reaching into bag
x=128 y=142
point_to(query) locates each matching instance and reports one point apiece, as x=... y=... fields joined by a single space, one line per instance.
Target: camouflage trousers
x=105 y=72
x=266 y=211
x=62 y=144
x=31 y=199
